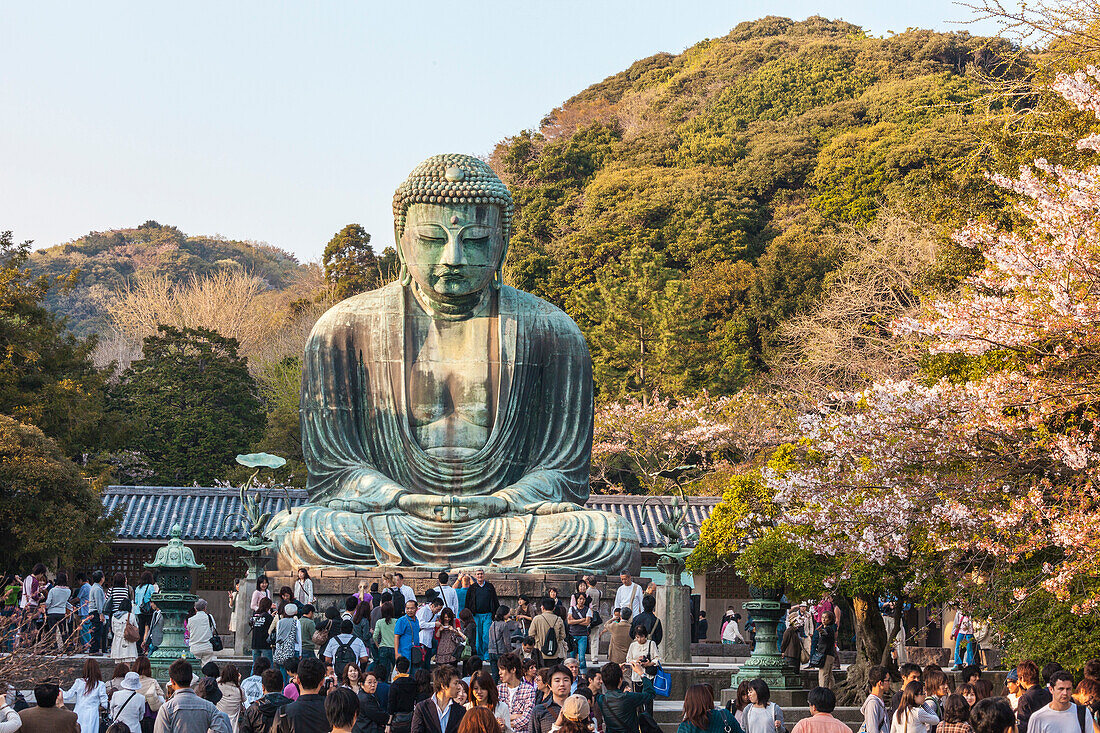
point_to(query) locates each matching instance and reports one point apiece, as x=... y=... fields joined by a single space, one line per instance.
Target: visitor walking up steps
x=549 y=633
x=629 y=595
x=481 y=599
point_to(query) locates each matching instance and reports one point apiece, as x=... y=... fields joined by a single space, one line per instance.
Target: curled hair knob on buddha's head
x=452 y=178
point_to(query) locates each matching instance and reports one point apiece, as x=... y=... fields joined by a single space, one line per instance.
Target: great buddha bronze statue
x=446 y=417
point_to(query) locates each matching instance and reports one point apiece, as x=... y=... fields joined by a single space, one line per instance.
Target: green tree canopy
x=49 y=511
x=47 y=378
x=191 y=405
x=730 y=164
x=352 y=267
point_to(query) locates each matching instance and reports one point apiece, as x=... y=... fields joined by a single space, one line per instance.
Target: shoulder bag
x=215 y=640
x=131 y=632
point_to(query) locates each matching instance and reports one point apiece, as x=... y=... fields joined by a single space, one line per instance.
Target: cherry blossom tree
x=952 y=487
x=1033 y=313
x=703 y=431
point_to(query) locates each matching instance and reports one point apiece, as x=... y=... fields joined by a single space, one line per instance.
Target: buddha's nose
x=453 y=254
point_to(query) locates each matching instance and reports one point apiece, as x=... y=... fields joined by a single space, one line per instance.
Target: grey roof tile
x=148 y=512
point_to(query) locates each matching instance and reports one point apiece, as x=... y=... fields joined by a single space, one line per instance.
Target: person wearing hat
x=128 y=703
x=288 y=636
x=200 y=633
x=1012 y=688
x=574 y=716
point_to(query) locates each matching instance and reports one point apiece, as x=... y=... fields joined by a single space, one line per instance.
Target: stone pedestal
x=766 y=662
x=674 y=610
x=255 y=563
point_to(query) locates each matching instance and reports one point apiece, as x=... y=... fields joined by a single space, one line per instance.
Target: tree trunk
x=888 y=660
x=870 y=641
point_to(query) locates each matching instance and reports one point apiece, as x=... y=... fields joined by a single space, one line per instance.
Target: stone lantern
x=766 y=662
x=175 y=565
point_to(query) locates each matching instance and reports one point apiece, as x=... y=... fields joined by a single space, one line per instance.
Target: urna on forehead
x=452 y=178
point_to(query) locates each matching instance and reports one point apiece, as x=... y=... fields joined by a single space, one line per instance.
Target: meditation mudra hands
x=457 y=508
x=464 y=508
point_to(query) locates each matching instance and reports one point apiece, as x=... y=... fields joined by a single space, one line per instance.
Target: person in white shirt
x=403 y=589
x=128 y=704
x=1062 y=715
x=200 y=632
x=449 y=594
x=303 y=589
x=911 y=717
x=428 y=618
x=629 y=595
x=346 y=639
x=253 y=686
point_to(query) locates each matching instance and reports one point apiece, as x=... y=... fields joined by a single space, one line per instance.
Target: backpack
x=344 y=655
x=143 y=607
x=550 y=645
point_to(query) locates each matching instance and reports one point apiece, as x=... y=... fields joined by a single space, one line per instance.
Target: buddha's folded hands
x=452 y=508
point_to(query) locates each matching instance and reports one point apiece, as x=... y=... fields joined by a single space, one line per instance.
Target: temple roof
x=148 y=512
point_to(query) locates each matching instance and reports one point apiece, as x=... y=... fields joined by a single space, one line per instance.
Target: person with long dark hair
x=232 y=699
x=384 y=640
x=143 y=598
x=826 y=649
x=700 y=715
x=117 y=593
x=911 y=715
x=484 y=694
x=448 y=639
x=88 y=695
x=360 y=622
x=303 y=588
x=763 y=715
x=956 y=713
x=262 y=591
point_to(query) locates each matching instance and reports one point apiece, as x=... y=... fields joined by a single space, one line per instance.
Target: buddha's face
x=452 y=250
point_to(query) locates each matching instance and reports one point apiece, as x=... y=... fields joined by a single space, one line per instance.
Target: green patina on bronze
x=174 y=565
x=446 y=417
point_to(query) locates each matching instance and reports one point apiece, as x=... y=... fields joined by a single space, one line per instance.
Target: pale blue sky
x=283 y=122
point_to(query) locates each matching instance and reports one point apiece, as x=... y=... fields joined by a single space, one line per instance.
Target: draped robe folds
x=359 y=446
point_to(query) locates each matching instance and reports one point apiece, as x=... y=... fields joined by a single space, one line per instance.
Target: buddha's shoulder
x=371 y=304
x=534 y=308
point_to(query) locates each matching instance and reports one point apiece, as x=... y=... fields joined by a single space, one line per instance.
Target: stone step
x=669 y=713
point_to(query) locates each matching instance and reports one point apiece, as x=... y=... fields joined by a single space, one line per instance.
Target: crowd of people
x=93 y=614
x=460 y=661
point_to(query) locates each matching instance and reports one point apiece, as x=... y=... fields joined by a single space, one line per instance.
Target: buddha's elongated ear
x=498 y=276
x=403 y=274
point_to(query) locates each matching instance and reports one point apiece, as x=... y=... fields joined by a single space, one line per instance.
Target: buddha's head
x=452 y=218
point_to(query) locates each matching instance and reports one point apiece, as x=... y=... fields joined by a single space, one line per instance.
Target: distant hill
x=680 y=210
x=106 y=260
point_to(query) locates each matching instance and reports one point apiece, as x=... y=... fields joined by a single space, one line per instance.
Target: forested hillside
x=679 y=210
x=106 y=261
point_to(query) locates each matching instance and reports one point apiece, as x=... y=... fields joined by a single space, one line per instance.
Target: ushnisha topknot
x=452 y=178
